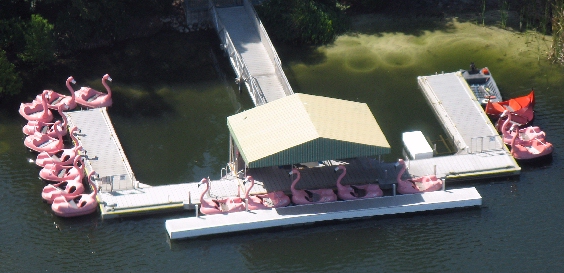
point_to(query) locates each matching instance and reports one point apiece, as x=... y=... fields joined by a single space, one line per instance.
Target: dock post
x=394 y=188
x=197 y=210
x=444 y=182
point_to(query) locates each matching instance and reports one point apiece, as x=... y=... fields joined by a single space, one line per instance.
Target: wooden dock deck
x=258 y=219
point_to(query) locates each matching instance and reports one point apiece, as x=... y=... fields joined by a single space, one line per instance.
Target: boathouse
x=306 y=129
x=303 y=128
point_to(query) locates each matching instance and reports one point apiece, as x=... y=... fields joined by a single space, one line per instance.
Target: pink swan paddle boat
x=44 y=143
x=530 y=150
x=303 y=197
x=216 y=206
x=76 y=205
x=37 y=111
x=54 y=99
x=58 y=173
x=46 y=128
x=65 y=188
x=269 y=200
x=353 y=192
x=63 y=157
x=425 y=183
x=92 y=98
x=525 y=134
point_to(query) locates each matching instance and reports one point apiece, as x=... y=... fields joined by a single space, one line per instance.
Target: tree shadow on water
x=141 y=67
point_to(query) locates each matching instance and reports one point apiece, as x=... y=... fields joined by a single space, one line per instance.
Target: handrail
x=270 y=48
x=116 y=141
x=236 y=59
x=475 y=141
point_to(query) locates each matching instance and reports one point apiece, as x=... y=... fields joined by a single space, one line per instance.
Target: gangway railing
x=486 y=143
x=269 y=47
x=236 y=60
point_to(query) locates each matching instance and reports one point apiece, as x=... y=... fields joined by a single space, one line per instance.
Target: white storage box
x=416 y=145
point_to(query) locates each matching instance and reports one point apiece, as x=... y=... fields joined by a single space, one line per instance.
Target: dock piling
x=444 y=182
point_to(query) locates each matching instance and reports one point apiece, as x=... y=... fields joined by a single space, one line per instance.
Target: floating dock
x=122 y=195
x=460 y=113
x=295 y=215
x=103 y=151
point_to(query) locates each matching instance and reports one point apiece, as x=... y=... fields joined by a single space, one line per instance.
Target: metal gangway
x=250 y=51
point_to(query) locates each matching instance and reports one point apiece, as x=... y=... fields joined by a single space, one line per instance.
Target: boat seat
x=72 y=204
x=532 y=150
x=57 y=100
x=93 y=97
x=44 y=144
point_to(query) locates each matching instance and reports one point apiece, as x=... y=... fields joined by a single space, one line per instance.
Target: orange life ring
x=485 y=71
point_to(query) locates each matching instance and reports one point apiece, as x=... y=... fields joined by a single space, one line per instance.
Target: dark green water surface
x=172 y=94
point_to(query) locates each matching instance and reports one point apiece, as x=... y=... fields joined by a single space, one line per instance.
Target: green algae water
x=172 y=94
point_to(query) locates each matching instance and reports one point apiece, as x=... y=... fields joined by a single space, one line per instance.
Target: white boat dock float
x=480 y=149
x=459 y=112
x=294 y=215
x=104 y=153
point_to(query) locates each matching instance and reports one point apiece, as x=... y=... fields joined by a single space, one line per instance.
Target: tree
x=39 y=49
x=10 y=81
x=303 y=21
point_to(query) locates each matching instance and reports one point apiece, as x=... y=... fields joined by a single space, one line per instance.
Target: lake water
x=170 y=116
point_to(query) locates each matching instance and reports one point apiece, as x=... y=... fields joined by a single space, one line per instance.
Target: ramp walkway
x=251 y=53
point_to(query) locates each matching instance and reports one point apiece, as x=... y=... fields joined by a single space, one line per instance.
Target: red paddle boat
x=58 y=173
x=353 y=192
x=89 y=97
x=44 y=143
x=76 y=205
x=46 y=128
x=216 y=206
x=63 y=157
x=522 y=108
x=37 y=110
x=530 y=150
x=65 y=188
x=425 y=183
x=303 y=197
x=54 y=99
x=269 y=200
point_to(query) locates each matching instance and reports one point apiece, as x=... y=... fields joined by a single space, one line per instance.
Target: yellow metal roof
x=303 y=128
